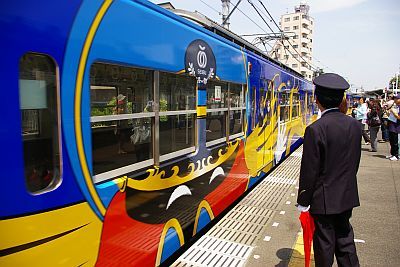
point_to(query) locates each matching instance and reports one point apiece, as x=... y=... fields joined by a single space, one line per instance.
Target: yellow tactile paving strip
x=297 y=257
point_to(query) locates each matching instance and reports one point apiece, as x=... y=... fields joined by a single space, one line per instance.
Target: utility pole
x=397 y=81
x=225 y=13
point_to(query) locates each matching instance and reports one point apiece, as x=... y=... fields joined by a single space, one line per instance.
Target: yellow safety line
x=297 y=257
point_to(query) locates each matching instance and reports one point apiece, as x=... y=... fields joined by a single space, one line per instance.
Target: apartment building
x=296 y=52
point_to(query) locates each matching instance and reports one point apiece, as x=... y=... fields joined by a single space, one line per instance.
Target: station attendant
x=328 y=183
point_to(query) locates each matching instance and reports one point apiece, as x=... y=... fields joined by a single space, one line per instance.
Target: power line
x=249 y=18
x=219 y=13
x=287 y=40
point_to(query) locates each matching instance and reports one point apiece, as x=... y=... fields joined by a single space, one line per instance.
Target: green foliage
x=163 y=107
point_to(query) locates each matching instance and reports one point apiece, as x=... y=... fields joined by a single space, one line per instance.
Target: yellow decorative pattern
x=173 y=223
x=78 y=100
x=203 y=204
x=65 y=250
x=156 y=179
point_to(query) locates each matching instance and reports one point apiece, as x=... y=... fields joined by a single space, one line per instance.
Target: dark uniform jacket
x=331 y=156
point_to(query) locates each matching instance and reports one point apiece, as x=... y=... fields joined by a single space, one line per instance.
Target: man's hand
x=302 y=208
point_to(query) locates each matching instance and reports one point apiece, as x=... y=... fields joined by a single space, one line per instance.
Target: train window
x=177 y=92
x=295 y=105
x=217 y=109
x=237 y=109
x=120 y=90
x=284 y=98
x=122 y=119
x=38 y=92
x=177 y=114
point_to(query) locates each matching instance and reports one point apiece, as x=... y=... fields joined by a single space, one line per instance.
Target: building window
x=296 y=37
x=295 y=56
x=286 y=56
x=295 y=27
x=296 y=18
x=287 y=28
x=39 y=98
x=287 y=19
x=294 y=65
x=295 y=46
x=303 y=16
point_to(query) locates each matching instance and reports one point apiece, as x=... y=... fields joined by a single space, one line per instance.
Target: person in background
x=385 y=124
x=394 y=128
x=374 y=122
x=121 y=125
x=328 y=182
x=361 y=116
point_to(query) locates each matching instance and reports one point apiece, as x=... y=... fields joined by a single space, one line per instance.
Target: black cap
x=331 y=81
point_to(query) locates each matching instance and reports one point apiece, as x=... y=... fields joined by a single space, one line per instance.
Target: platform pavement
x=376 y=222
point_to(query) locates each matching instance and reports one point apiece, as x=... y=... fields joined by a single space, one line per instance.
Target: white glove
x=302 y=208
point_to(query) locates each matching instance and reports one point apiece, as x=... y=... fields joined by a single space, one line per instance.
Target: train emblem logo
x=200 y=61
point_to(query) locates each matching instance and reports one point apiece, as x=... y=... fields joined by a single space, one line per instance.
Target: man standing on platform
x=328 y=182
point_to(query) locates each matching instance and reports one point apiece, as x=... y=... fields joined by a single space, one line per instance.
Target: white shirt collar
x=323 y=112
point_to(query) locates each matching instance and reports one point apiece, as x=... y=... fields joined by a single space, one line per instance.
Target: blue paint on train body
x=30 y=27
x=122 y=38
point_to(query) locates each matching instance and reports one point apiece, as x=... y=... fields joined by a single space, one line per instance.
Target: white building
x=298 y=27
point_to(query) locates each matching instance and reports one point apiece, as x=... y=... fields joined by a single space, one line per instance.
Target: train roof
x=213 y=26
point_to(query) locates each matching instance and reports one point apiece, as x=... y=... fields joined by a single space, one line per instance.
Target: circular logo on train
x=200 y=61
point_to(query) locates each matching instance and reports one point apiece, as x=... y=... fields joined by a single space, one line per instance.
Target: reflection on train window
x=122 y=118
x=237 y=110
x=237 y=96
x=216 y=94
x=284 y=98
x=120 y=90
x=179 y=131
x=236 y=121
x=215 y=125
x=217 y=108
x=295 y=105
x=177 y=92
x=121 y=143
x=253 y=107
x=177 y=95
x=38 y=92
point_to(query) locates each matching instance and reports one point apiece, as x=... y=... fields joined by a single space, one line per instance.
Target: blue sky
x=359 y=39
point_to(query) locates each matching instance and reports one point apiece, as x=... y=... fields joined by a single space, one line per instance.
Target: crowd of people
x=378 y=114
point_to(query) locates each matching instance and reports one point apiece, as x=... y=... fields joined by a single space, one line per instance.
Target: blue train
x=129 y=128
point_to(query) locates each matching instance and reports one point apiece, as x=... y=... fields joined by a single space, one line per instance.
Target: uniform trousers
x=334 y=236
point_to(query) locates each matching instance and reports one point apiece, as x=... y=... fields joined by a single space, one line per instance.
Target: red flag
x=307 y=223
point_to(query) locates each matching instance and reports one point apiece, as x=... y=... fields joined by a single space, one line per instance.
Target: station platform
x=263 y=229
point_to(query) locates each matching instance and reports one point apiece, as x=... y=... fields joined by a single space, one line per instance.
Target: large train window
x=295 y=105
x=284 y=105
x=122 y=119
x=177 y=114
x=217 y=108
x=237 y=110
x=39 y=105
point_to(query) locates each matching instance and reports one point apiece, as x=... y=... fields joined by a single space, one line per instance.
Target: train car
x=127 y=129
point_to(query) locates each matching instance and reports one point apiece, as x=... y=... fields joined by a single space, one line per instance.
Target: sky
x=358 y=39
